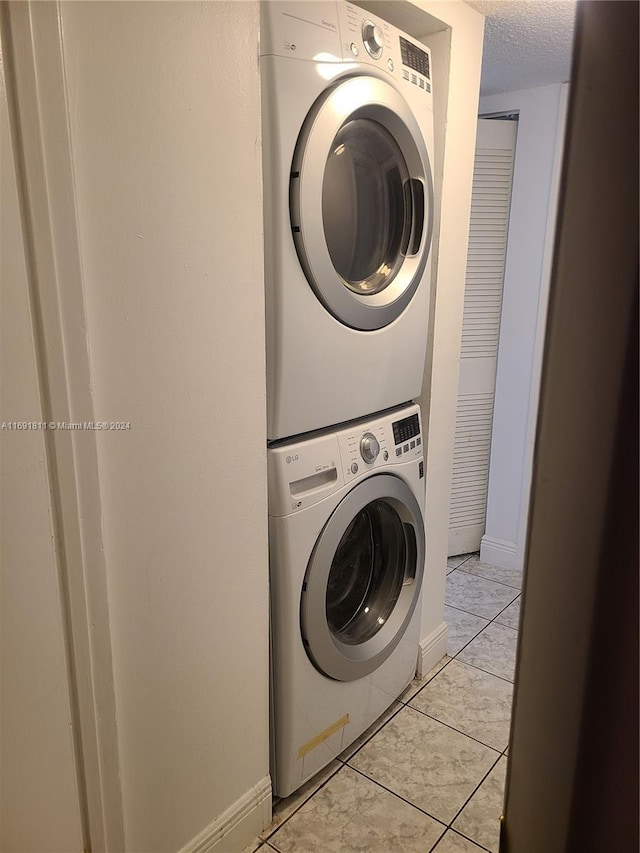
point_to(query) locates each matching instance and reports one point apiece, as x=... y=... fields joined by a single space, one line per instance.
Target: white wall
x=165 y=130
x=542 y=115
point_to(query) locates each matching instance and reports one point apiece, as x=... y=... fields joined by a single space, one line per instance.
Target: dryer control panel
x=369 y=39
x=341 y=36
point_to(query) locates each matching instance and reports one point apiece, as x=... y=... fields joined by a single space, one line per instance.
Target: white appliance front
x=347 y=142
x=347 y=551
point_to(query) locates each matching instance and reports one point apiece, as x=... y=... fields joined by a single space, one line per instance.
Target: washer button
x=398 y=451
x=390 y=64
x=369 y=448
x=405 y=75
x=413 y=444
x=406 y=448
x=385 y=455
x=418 y=441
x=354 y=48
x=354 y=467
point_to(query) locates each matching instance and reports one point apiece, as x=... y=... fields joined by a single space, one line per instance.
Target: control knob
x=373 y=39
x=369 y=447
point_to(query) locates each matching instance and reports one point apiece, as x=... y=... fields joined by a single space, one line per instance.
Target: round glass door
x=363 y=579
x=366 y=210
x=367 y=573
x=361 y=202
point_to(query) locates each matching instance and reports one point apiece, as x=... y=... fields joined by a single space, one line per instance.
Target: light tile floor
x=429 y=775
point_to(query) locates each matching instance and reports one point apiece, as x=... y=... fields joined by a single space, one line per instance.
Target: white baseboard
x=498 y=553
x=432 y=649
x=235 y=828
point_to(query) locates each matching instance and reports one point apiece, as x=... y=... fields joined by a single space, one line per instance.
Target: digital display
x=414 y=58
x=406 y=428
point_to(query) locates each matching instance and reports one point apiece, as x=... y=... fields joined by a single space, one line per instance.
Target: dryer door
x=364 y=578
x=361 y=201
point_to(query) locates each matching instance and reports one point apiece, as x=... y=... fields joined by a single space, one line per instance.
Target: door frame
x=33 y=43
x=541 y=127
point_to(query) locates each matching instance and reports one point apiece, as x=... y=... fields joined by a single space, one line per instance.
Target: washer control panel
x=381 y=442
x=304 y=472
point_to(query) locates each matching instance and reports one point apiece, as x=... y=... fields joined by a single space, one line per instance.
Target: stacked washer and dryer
x=348 y=136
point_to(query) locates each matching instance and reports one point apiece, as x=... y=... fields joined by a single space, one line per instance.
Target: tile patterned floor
x=429 y=775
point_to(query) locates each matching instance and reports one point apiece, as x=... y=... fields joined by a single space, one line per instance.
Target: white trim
x=43 y=146
x=498 y=553
x=541 y=324
x=432 y=649
x=235 y=828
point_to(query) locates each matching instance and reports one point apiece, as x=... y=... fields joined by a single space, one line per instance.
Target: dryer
x=347 y=145
x=347 y=553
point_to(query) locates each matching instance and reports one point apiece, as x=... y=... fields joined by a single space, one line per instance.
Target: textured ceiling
x=527 y=43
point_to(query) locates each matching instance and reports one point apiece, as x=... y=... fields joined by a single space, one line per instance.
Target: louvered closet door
x=490 y=201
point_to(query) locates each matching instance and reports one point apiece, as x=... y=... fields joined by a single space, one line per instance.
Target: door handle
x=417 y=216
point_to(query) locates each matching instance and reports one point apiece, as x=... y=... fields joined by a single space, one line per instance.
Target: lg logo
x=293 y=458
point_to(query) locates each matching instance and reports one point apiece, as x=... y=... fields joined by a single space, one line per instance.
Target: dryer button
x=390 y=64
x=354 y=467
x=353 y=47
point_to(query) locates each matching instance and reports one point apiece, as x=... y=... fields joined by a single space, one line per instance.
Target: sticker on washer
x=318 y=739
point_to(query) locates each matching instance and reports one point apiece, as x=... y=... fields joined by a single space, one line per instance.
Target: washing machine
x=347 y=553
x=348 y=189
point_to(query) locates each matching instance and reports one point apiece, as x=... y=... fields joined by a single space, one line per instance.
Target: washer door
x=361 y=201
x=363 y=579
